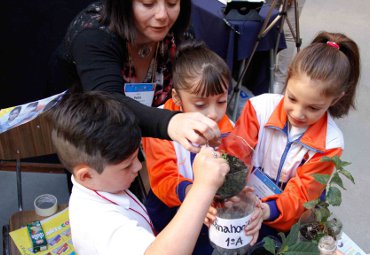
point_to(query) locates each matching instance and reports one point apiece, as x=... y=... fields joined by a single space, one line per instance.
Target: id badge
x=262 y=184
x=141 y=92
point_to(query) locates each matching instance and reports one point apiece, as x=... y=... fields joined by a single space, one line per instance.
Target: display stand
x=31 y=139
x=266 y=27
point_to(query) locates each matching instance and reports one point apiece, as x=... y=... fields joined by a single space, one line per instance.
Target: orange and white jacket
x=263 y=124
x=170 y=165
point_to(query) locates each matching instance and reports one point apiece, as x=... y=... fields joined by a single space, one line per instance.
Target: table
x=22 y=218
x=209 y=26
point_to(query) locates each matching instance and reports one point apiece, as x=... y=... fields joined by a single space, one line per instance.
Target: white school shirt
x=99 y=226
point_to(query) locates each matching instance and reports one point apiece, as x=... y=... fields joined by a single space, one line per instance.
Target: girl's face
x=303 y=102
x=154 y=18
x=214 y=107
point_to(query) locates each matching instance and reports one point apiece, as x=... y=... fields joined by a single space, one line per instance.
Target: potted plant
x=289 y=245
x=317 y=221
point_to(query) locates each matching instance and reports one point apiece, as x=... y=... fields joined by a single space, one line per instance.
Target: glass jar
x=328 y=246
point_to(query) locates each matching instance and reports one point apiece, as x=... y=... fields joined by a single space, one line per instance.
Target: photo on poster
x=17 y=115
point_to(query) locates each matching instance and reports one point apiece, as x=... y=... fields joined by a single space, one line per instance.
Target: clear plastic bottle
x=234 y=204
x=226 y=233
x=328 y=246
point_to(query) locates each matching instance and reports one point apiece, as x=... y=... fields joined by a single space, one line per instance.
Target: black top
x=92 y=58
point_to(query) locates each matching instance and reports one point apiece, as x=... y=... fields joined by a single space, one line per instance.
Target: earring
x=176 y=100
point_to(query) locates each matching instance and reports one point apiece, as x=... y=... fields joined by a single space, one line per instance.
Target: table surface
x=21 y=219
x=208 y=25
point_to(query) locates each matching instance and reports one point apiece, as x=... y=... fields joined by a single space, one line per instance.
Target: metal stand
x=19 y=182
x=266 y=27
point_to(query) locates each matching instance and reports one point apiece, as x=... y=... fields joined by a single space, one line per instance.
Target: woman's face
x=153 y=19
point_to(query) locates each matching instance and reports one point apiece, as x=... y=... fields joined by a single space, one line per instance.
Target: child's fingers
x=207 y=222
x=248 y=189
x=211 y=216
x=255 y=223
x=254 y=239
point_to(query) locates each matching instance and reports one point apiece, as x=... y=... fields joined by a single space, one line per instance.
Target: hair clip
x=333 y=44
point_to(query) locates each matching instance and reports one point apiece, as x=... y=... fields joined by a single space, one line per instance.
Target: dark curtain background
x=30 y=31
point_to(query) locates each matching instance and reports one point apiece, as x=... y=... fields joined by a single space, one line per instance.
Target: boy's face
x=214 y=107
x=303 y=102
x=116 y=178
x=13 y=114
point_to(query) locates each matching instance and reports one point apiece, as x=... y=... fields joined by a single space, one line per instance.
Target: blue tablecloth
x=208 y=25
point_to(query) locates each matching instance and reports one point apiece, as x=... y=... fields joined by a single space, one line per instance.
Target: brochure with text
x=57 y=232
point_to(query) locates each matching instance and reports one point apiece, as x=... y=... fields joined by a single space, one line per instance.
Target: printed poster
x=57 y=232
x=17 y=115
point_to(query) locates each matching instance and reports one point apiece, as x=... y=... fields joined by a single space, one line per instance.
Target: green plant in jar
x=235 y=180
x=322 y=221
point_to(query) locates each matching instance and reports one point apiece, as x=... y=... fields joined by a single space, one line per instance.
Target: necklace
x=144 y=213
x=145 y=51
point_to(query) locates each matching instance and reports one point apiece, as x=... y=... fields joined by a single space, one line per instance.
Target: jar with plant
x=318 y=220
x=234 y=202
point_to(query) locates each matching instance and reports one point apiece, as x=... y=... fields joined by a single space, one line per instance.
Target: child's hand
x=252 y=229
x=254 y=226
x=266 y=211
x=211 y=216
x=209 y=169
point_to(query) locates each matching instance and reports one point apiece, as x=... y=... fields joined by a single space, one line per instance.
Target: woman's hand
x=193 y=129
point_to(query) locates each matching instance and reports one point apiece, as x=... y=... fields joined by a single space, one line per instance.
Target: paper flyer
x=17 y=115
x=349 y=247
x=57 y=232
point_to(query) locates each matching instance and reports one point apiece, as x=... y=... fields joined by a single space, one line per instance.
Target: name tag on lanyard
x=262 y=184
x=141 y=92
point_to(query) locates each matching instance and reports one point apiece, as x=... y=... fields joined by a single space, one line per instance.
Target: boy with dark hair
x=97 y=138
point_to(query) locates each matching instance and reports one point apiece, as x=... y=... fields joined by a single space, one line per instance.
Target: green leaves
x=291 y=245
x=347 y=174
x=339 y=166
x=322 y=178
x=269 y=244
x=311 y=204
x=322 y=213
x=292 y=238
x=303 y=248
x=334 y=196
x=337 y=180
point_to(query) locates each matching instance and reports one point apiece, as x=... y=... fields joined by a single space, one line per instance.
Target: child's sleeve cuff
x=181 y=190
x=274 y=212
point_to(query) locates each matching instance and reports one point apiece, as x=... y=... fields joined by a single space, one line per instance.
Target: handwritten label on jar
x=229 y=233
